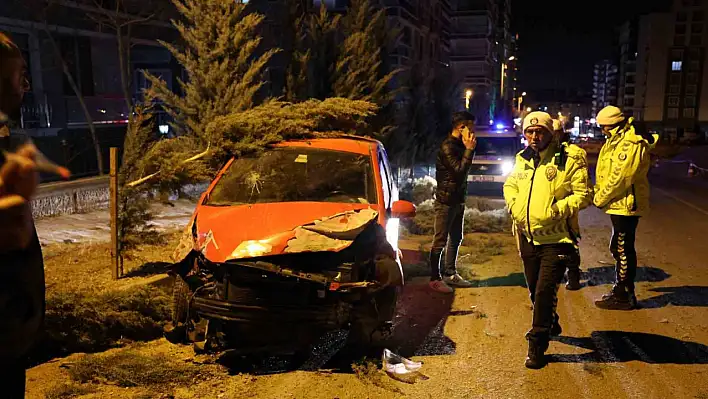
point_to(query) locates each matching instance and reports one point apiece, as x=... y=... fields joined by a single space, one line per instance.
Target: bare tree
x=41 y=9
x=120 y=18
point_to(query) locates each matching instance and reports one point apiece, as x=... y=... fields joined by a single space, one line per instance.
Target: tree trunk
x=124 y=63
x=80 y=97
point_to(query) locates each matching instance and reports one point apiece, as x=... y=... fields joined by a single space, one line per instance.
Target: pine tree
x=297 y=81
x=358 y=73
x=220 y=57
x=134 y=214
x=322 y=30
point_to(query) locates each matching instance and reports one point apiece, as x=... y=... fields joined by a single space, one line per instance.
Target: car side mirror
x=403 y=210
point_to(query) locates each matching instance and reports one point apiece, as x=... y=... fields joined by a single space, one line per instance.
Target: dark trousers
x=574 y=261
x=449 y=223
x=624 y=230
x=12 y=379
x=544 y=267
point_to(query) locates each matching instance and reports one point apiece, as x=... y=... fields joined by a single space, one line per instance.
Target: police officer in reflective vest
x=622 y=191
x=573 y=275
x=546 y=188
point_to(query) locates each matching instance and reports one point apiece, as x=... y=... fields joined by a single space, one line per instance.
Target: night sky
x=557 y=50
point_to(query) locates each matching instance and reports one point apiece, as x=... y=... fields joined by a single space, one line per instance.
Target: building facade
x=481 y=47
x=604 y=86
x=671 y=89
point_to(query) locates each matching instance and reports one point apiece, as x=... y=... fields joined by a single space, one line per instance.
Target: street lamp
x=512 y=58
x=468 y=95
x=521 y=98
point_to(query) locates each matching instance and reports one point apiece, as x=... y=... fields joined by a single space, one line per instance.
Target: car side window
x=391 y=180
x=385 y=180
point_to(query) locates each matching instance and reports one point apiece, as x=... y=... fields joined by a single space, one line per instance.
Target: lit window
x=673 y=101
x=676 y=65
x=673 y=113
x=689 y=112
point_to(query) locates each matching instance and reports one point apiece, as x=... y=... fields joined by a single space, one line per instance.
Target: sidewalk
x=94 y=226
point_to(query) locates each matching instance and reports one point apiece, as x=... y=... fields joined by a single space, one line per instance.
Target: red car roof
x=344 y=143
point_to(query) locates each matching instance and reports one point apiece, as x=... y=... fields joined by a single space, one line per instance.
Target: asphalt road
x=472 y=342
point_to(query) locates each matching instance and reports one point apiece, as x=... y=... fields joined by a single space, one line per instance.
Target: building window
x=631 y=79
x=697 y=28
x=676 y=65
x=689 y=113
x=679 y=40
x=681 y=16
x=674 y=89
x=696 y=40
x=673 y=101
x=680 y=29
x=673 y=113
x=629 y=91
x=698 y=15
x=691 y=89
x=629 y=102
x=675 y=79
x=690 y=101
x=691 y=78
x=697 y=3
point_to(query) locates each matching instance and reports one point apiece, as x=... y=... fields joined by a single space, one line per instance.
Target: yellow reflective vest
x=621 y=183
x=543 y=198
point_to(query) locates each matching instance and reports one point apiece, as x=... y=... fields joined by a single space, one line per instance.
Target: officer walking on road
x=452 y=167
x=547 y=186
x=573 y=274
x=622 y=191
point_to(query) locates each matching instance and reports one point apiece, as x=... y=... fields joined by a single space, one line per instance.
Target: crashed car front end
x=312 y=276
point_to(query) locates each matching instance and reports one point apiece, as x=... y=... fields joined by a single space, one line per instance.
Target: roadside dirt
x=472 y=343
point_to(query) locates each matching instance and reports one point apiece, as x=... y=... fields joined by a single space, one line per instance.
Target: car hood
x=249 y=231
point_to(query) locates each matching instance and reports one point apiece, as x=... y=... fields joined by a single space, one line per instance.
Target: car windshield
x=295 y=174
x=497 y=146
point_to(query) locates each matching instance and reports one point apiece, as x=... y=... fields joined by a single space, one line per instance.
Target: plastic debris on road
x=400 y=368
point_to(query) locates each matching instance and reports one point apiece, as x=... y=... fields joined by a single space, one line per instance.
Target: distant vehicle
x=288 y=244
x=494 y=159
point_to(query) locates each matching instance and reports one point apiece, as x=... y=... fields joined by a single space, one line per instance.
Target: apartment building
x=481 y=55
x=604 y=85
x=671 y=89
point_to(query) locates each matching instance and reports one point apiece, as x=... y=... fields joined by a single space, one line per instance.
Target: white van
x=493 y=161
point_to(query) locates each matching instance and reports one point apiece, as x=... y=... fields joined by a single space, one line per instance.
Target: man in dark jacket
x=21 y=265
x=452 y=167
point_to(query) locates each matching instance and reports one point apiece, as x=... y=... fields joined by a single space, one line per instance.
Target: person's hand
x=18 y=177
x=469 y=140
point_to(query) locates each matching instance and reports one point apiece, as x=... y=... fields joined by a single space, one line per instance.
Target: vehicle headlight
x=251 y=249
x=392 y=227
x=507 y=167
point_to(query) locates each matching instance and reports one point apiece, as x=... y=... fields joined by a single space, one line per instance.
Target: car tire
x=181 y=295
x=367 y=329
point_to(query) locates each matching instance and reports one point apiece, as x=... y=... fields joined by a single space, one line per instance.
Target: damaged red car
x=288 y=244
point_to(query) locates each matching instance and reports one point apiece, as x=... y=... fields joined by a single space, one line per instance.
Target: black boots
x=573 y=283
x=619 y=298
x=536 y=358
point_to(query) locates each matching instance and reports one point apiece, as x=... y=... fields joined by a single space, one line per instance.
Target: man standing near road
x=573 y=275
x=21 y=265
x=452 y=167
x=546 y=188
x=622 y=191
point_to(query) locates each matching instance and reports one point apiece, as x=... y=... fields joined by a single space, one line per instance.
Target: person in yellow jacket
x=573 y=274
x=622 y=191
x=547 y=186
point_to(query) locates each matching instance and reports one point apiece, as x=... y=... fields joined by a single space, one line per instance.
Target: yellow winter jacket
x=582 y=156
x=542 y=199
x=621 y=183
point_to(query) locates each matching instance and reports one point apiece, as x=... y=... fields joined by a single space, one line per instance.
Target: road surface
x=472 y=343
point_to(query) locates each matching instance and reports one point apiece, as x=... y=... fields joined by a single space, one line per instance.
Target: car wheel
x=371 y=326
x=181 y=295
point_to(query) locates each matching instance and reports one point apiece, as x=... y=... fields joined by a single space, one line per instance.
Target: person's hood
x=249 y=231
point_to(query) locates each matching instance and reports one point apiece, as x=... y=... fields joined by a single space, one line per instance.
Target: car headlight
x=251 y=249
x=507 y=167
